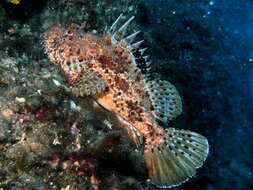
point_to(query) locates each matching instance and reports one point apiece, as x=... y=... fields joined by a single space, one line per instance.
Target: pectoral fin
x=88 y=83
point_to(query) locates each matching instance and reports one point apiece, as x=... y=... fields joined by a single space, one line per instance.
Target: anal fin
x=134 y=134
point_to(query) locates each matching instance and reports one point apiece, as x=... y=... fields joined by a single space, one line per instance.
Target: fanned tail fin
x=176 y=157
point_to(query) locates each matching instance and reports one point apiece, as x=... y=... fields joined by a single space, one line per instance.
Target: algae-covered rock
x=49 y=138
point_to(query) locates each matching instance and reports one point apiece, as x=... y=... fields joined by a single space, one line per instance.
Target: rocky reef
x=50 y=139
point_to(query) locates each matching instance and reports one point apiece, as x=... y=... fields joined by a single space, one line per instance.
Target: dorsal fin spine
x=124 y=26
x=142 y=50
x=131 y=37
x=113 y=27
x=136 y=45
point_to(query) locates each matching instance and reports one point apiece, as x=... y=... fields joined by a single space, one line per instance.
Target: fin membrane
x=142 y=61
x=175 y=159
x=89 y=83
x=165 y=100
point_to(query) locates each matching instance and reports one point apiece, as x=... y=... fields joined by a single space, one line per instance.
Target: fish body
x=114 y=70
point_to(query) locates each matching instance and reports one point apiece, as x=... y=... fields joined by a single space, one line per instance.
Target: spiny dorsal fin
x=136 y=53
x=165 y=99
x=117 y=32
x=175 y=159
x=89 y=83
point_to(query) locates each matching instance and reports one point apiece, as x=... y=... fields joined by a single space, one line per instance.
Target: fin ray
x=118 y=34
x=136 y=45
x=124 y=26
x=131 y=37
x=113 y=27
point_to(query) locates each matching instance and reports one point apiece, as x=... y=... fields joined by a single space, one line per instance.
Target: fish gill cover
x=52 y=136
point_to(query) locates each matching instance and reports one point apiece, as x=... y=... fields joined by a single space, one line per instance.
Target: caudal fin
x=176 y=157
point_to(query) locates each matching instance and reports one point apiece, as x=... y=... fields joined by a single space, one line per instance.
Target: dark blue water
x=217 y=83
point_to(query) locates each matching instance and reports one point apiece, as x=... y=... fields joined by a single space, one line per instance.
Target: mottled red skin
x=125 y=94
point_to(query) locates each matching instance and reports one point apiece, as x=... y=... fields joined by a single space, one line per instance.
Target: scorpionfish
x=114 y=70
